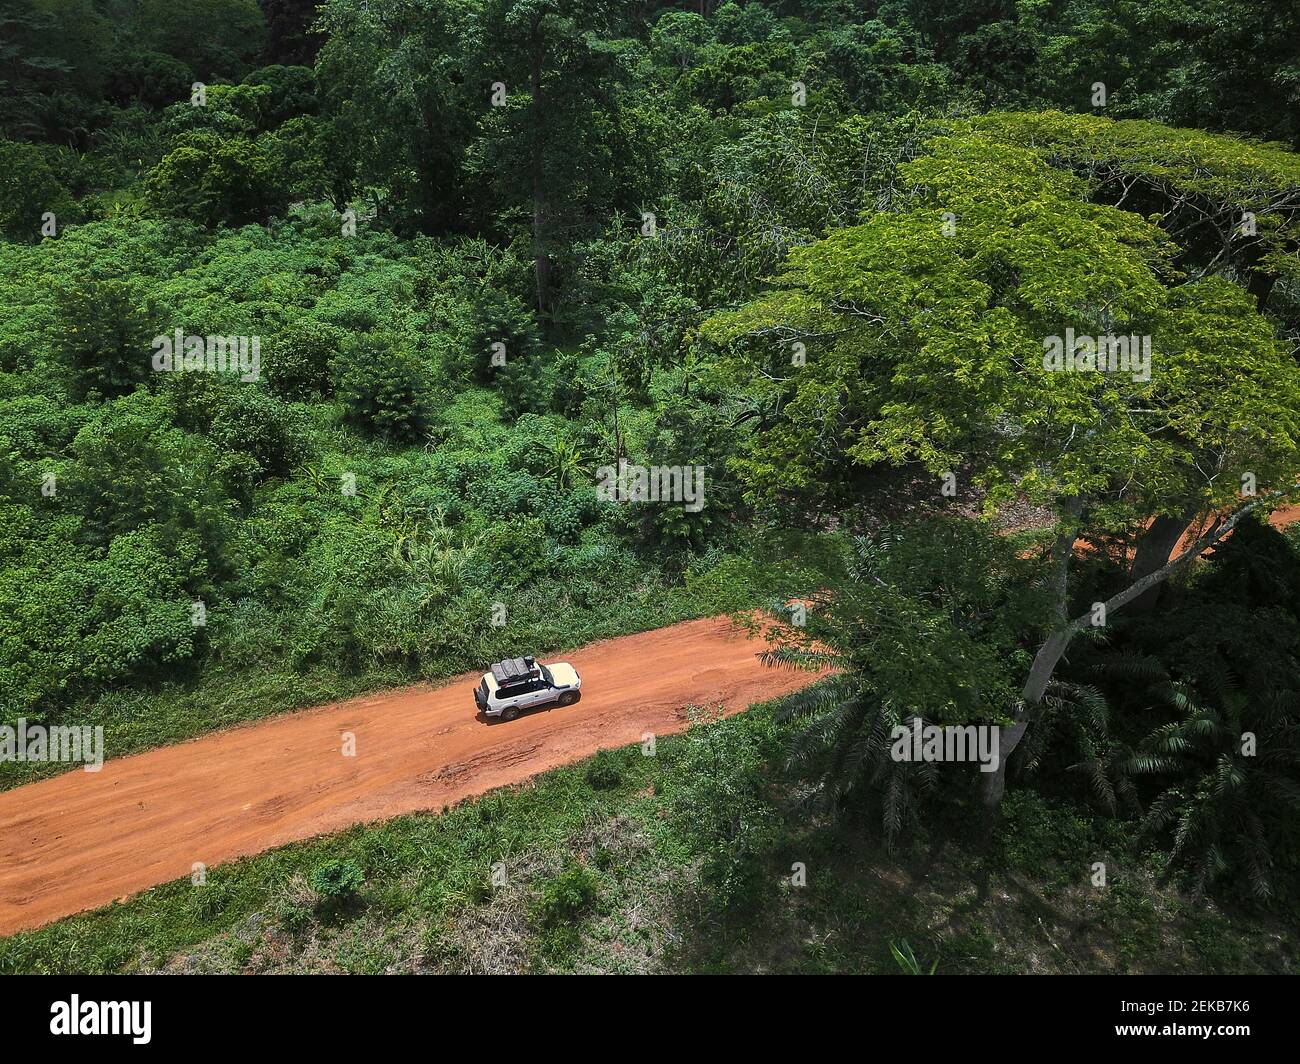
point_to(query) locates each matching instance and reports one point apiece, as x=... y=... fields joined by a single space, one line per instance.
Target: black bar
x=365 y=1012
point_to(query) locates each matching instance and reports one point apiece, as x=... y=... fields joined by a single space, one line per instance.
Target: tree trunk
x=1040 y=675
x=1259 y=281
x=1152 y=553
x=1045 y=661
x=1261 y=287
x=995 y=782
x=1053 y=649
x=541 y=262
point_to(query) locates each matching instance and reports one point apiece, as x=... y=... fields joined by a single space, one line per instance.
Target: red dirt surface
x=82 y=839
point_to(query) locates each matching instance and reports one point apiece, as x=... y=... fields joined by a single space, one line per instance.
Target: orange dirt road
x=82 y=839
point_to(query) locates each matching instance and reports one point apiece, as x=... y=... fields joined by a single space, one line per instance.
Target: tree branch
x=1216 y=532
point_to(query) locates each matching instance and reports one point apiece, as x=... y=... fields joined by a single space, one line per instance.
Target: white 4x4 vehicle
x=518 y=684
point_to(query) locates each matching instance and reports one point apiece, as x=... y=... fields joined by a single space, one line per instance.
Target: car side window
x=519 y=689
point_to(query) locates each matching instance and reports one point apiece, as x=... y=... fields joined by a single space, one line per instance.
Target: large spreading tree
x=922 y=336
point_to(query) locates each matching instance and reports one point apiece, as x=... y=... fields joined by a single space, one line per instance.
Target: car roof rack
x=514 y=670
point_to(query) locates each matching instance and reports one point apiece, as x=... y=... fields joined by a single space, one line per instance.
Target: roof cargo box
x=515 y=670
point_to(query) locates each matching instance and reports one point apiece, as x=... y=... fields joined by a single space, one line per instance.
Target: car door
x=521 y=696
x=511 y=697
x=538 y=692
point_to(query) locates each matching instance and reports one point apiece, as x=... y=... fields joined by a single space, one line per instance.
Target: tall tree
x=928 y=333
x=393 y=75
x=1232 y=207
x=558 y=138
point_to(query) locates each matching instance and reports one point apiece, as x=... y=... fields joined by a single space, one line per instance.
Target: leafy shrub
x=519 y=552
x=384 y=387
x=297 y=363
x=498 y=316
x=294 y=918
x=566 y=519
x=35 y=425
x=603 y=773
x=213 y=179
x=150 y=77
x=523 y=386
x=336 y=881
x=718 y=801
x=79 y=622
x=293 y=92
x=508 y=495
x=1044 y=835
x=130 y=472
x=567 y=896
x=255 y=422
x=29 y=186
x=103 y=333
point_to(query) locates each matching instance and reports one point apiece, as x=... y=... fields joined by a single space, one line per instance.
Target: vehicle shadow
x=483 y=718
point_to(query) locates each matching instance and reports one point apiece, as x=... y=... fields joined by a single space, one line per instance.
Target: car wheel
x=509 y=713
x=568 y=698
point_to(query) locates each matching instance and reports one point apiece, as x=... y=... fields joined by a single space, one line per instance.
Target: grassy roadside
x=676 y=862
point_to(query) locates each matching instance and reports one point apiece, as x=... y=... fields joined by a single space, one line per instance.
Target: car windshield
x=546 y=675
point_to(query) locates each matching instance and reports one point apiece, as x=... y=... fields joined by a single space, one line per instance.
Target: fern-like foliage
x=926 y=624
x=1231 y=759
